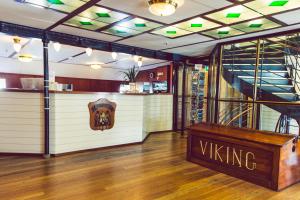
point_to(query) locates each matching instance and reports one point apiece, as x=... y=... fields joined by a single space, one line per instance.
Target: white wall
x=70 y=129
x=21 y=122
x=8 y=65
x=158 y=113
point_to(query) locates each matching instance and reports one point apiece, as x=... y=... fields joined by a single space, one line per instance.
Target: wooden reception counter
x=22 y=120
x=264 y=158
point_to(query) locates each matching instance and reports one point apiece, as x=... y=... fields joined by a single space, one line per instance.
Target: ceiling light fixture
x=88 y=51
x=136 y=58
x=162 y=7
x=17 y=44
x=25 y=58
x=57 y=46
x=96 y=66
x=140 y=61
x=114 y=55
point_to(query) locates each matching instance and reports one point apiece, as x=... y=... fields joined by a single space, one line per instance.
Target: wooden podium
x=264 y=158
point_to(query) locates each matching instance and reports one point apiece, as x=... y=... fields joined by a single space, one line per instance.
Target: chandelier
x=162 y=7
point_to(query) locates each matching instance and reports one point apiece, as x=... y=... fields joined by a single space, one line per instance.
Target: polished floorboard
x=154 y=170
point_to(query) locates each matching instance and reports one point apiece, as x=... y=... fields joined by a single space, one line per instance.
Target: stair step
x=266 y=80
x=264 y=73
x=286 y=95
x=252 y=67
x=276 y=88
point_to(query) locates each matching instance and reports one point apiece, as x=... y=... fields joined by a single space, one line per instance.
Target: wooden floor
x=155 y=170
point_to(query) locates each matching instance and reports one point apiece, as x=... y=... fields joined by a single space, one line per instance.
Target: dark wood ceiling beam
x=73 y=13
x=67 y=39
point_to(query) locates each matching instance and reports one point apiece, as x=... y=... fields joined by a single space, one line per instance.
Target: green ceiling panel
x=196 y=25
x=171 y=32
x=278 y=3
x=140 y=25
x=121 y=31
x=85 y=23
x=267 y=7
x=223 y=32
x=234 y=14
x=103 y=15
x=256 y=25
x=66 y=6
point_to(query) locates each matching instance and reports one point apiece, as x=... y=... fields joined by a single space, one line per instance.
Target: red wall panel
x=79 y=84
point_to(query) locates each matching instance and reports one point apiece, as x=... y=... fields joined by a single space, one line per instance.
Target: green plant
x=130 y=74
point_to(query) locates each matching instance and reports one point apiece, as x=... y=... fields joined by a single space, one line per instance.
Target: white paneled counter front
x=22 y=128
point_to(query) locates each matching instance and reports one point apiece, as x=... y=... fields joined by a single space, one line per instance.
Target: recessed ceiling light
x=95 y=66
x=57 y=46
x=17 y=44
x=88 y=51
x=278 y=3
x=56 y=2
x=114 y=55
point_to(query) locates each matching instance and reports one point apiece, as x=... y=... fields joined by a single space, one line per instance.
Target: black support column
x=46 y=98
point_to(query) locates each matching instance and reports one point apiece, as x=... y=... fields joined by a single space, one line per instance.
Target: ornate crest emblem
x=102 y=114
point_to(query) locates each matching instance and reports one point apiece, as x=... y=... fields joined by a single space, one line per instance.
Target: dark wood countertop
x=251 y=135
x=76 y=92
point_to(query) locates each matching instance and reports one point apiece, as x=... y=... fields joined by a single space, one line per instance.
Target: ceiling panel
x=202 y=49
x=289 y=17
x=6 y=43
x=162 y=42
x=196 y=25
x=234 y=14
x=65 y=52
x=256 y=25
x=171 y=32
x=24 y=14
x=140 y=25
x=103 y=15
x=85 y=33
x=59 y=5
x=190 y=8
x=267 y=7
x=121 y=31
x=223 y=32
x=85 y=23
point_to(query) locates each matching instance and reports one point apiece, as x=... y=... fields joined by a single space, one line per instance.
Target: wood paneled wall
x=144 y=76
x=79 y=84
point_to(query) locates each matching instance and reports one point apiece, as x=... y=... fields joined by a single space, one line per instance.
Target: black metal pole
x=175 y=96
x=46 y=99
x=254 y=106
x=183 y=99
x=217 y=93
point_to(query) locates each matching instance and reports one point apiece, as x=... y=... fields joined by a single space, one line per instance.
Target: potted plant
x=130 y=76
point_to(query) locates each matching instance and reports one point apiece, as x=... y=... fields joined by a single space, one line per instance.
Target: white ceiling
x=190 y=8
x=34 y=48
x=190 y=45
x=24 y=14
